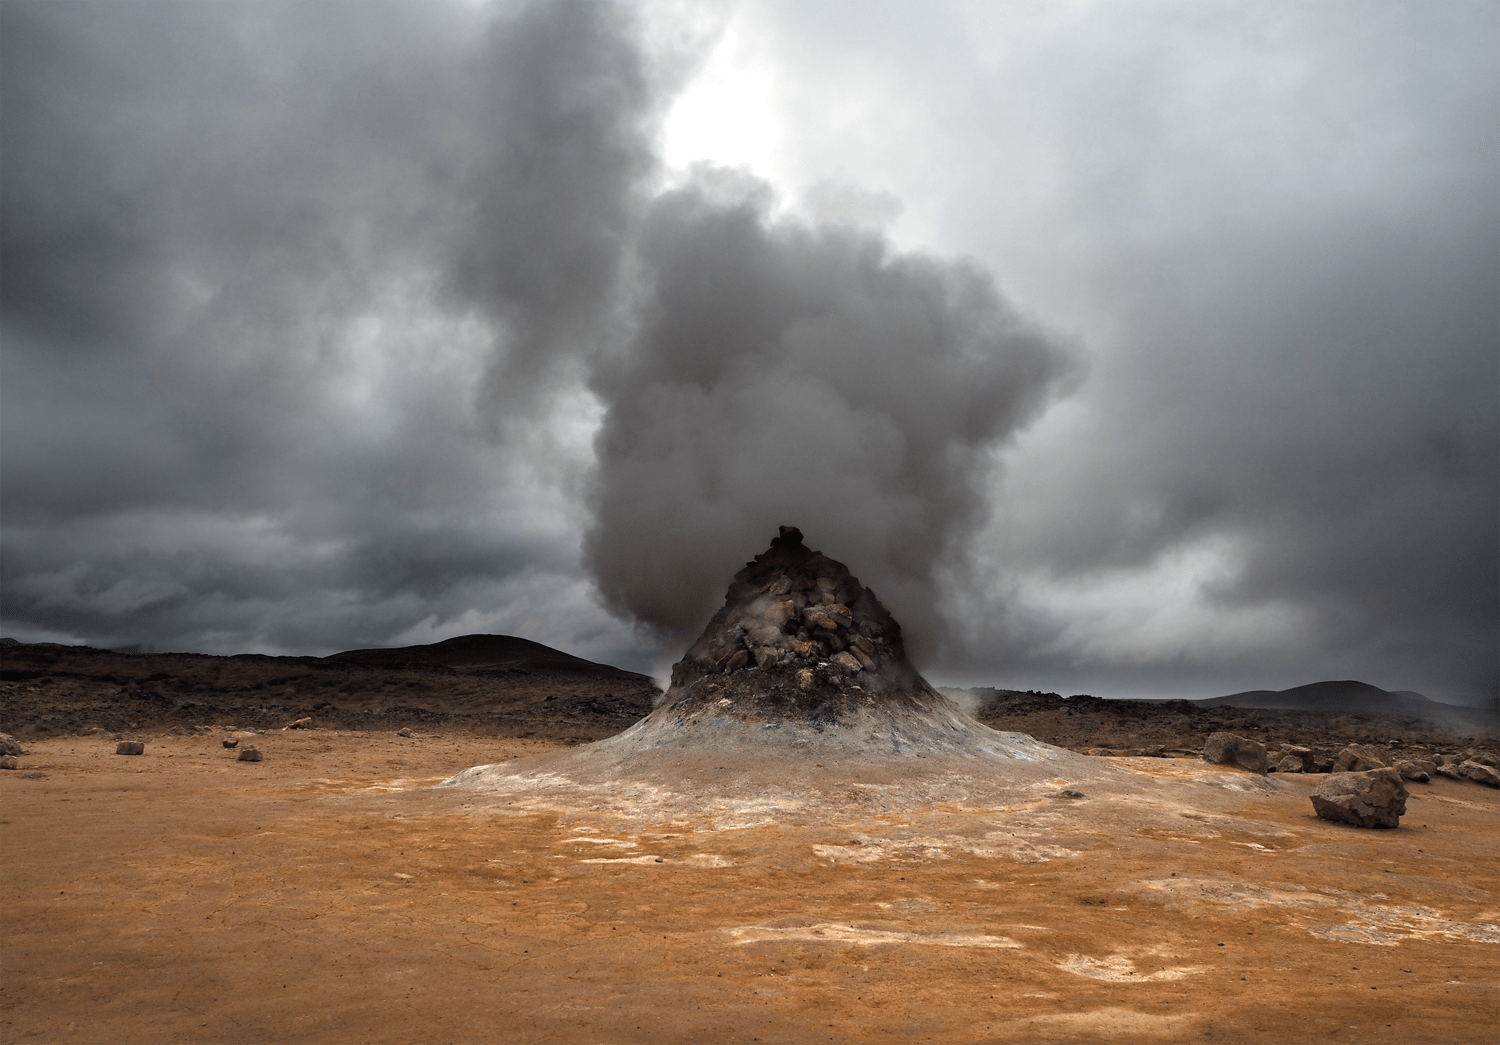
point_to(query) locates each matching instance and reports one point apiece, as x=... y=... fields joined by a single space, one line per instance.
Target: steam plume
x=802 y=374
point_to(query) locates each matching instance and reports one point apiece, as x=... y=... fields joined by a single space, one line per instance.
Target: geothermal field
x=801 y=841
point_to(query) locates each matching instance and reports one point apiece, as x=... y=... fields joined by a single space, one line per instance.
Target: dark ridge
x=468 y=653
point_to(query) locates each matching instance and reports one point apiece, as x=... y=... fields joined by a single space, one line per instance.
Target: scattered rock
x=847 y=663
x=9 y=745
x=1369 y=798
x=9 y=762
x=1227 y=749
x=1419 y=770
x=232 y=742
x=249 y=753
x=404 y=731
x=1449 y=770
x=1294 y=759
x=1479 y=773
x=301 y=723
x=130 y=747
x=1484 y=758
x=179 y=731
x=1358 y=758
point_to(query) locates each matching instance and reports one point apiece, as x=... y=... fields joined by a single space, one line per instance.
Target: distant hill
x=469 y=653
x=1348 y=697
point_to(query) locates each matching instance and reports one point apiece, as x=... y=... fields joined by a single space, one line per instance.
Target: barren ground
x=325 y=895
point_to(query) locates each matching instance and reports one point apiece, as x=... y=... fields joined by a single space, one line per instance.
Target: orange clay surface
x=324 y=895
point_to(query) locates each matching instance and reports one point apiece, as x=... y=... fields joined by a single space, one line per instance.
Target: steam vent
x=797 y=698
x=801 y=648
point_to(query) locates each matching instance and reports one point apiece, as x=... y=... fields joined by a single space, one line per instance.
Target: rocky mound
x=801 y=648
x=798 y=695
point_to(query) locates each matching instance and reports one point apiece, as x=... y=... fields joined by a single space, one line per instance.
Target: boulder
x=249 y=753
x=1370 y=798
x=1449 y=770
x=1294 y=759
x=9 y=762
x=1484 y=758
x=1479 y=773
x=1227 y=749
x=9 y=745
x=1358 y=758
x=130 y=747
x=1415 y=769
x=232 y=742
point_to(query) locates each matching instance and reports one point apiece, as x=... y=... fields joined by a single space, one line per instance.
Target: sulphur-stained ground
x=325 y=894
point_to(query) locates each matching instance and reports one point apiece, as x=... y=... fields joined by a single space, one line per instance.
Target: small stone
x=179 y=731
x=301 y=723
x=780 y=586
x=738 y=660
x=130 y=747
x=1289 y=764
x=865 y=660
x=9 y=762
x=1225 y=749
x=249 y=753
x=1450 y=770
x=862 y=642
x=9 y=745
x=404 y=731
x=805 y=680
x=232 y=742
x=1358 y=758
x=1417 y=770
x=788 y=537
x=847 y=663
x=1479 y=773
x=1371 y=798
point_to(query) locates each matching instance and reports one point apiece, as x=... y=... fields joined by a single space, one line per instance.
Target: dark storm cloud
x=807 y=375
x=1344 y=437
x=268 y=271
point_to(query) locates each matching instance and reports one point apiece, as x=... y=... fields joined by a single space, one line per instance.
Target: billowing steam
x=808 y=375
x=254 y=218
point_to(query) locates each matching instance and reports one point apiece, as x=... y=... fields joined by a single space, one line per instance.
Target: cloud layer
x=335 y=325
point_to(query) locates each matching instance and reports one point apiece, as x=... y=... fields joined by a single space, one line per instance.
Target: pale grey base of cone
x=738 y=772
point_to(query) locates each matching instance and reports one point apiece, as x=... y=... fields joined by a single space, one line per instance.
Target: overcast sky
x=1134 y=348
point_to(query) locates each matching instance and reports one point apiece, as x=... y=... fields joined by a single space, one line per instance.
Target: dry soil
x=329 y=894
